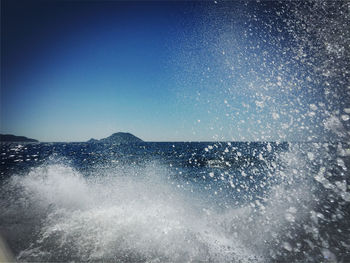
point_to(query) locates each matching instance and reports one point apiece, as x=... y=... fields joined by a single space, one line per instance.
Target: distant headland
x=118 y=138
x=14 y=138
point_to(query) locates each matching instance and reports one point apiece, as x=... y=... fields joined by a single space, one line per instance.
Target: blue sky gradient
x=74 y=70
x=164 y=71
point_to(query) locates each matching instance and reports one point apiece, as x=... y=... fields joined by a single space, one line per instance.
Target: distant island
x=14 y=138
x=118 y=138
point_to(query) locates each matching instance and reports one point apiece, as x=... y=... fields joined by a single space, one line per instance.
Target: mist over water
x=278 y=72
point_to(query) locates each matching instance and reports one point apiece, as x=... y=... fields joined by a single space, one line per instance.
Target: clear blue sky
x=164 y=71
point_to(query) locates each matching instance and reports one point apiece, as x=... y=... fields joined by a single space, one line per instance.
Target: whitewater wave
x=147 y=214
x=118 y=217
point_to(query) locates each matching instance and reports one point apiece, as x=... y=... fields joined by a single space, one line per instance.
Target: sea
x=175 y=202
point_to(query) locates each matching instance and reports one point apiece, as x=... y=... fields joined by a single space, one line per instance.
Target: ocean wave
x=148 y=213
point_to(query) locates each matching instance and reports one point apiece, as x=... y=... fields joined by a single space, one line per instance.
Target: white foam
x=130 y=214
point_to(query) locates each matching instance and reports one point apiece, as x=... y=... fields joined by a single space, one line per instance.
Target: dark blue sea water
x=176 y=202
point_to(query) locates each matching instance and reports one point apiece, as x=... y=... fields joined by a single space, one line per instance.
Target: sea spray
x=166 y=210
x=120 y=217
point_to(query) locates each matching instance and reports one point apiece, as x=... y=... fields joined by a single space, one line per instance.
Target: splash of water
x=129 y=216
x=139 y=213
